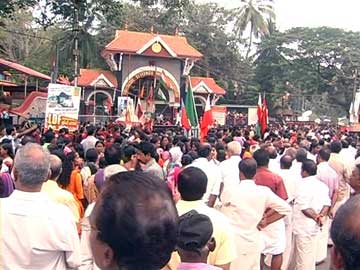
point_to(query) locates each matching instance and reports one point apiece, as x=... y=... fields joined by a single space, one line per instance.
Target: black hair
x=344 y=144
x=136 y=217
x=309 y=166
x=335 y=147
x=301 y=155
x=67 y=167
x=147 y=148
x=112 y=154
x=9 y=129
x=186 y=160
x=79 y=149
x=193 y=155
x=99 y=142
x=9 y=149
x=90 y=130
x=49 y=136
x=286 y=162
x=192 y=184
x=262 y=157
x=204 y=150
x=221 y=155
x=91 y=155
x=345 y=233
x=128 y=151
x=324 y=154
x=248 y=167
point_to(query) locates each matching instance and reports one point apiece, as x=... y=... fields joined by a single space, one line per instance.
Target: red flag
x=139 y=111
x=259 y=109
x=264 y=116
x=185 y=123
x=207 y=119
x=141 y=94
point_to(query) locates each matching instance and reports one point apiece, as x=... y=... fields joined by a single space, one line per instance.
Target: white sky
x=311 y=13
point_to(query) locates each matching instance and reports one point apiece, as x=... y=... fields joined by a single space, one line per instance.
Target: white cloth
x=37 y=234
x=314 y=194
x=229 y=170
x=274 y=238
x=213 y=175
x=274 y=166
x=291 y=182
x=245 y=207
x=88 y=143
x=87 y=258
x=296 y=168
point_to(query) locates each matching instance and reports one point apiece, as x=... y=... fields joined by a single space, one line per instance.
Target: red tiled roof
x=210 y=83
x=23 y=69
x=27 y=103
x=131 y=42
x=88 y=76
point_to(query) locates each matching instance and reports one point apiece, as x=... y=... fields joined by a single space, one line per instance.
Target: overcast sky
x=312 y=13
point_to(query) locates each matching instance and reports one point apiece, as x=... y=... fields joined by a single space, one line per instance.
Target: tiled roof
x=23 y=69
x=132 y=42
x=210 y=83
x=88 y=76
x=7 y=83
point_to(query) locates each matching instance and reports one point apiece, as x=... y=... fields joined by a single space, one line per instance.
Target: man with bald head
x=345 y=234
x=35 y=232
x=57 y=194
x=229 y=168
x=245 y=205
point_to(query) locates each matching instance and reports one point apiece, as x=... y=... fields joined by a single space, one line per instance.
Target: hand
x=319 y=220
x=262 y=224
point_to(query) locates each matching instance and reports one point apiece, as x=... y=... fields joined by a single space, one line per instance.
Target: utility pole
x=76 y=51
x=354 y=91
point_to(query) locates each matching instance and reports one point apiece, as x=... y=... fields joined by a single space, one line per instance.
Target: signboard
x=252 y=116
x=62 y=107
x=123 y=103
x=219 y=114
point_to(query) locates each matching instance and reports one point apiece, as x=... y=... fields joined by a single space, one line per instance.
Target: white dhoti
x=304 y=252
x=248 y=255
x=322 y=242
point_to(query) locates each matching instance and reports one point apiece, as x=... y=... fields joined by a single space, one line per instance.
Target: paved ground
x=326 y=264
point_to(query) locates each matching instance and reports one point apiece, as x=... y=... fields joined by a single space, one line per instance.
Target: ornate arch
x=97 y=92
x=146 y=71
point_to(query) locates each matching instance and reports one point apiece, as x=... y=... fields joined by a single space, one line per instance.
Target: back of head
x=186 y=160
x=195 y=230
x=32 y=165
x=345 y=234
x=309 y=167
x=248 y=167
x=147 y=148
x=49 y=136
x=204 y=150
x=135 y=216
x=301 y=155
x=91 y=155
x=262 y=157
x=192 y=183
x=324 y=154
x=272 y=152
x=128 y=151
x=335 y=147
x=112 y=154
x=90 y=130
x=286 y=162
x=9 y=130
x=55 y=167
x=234 y=148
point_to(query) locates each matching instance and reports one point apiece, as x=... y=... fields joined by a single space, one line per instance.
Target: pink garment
x=197 y=266
x=172 y=182
x=328 y=176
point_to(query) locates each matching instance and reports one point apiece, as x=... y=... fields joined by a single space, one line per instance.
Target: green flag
x=190 y=107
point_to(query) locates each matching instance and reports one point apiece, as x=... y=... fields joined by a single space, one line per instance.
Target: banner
x=219 y=114
x=123 y=103
x=62 y=107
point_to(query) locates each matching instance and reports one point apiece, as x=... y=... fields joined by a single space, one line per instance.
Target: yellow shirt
x=59 y=195
x=225 y=251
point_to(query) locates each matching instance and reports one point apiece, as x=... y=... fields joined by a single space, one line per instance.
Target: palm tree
x=257 y=13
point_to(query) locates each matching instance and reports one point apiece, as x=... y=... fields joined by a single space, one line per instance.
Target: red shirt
x=264 y=177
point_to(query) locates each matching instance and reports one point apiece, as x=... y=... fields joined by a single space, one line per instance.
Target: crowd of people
x=111 y=197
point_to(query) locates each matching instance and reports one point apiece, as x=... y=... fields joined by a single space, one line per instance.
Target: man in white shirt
x=312 y=204
x=291 y=182
x=245 y=206
x=212 y=172
x=35 y=232
x=229 y=168
x=192 y=186
x=90 y=141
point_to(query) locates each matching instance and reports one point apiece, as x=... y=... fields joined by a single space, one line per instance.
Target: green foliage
x=317 y=63
x=8 y=7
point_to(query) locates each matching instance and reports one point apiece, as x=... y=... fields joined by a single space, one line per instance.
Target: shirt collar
x=28 y=196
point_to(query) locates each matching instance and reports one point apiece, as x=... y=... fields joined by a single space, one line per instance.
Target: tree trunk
x=250 y=40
